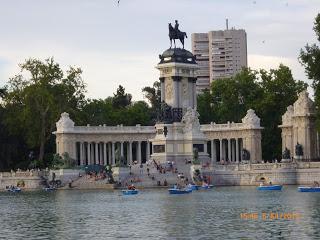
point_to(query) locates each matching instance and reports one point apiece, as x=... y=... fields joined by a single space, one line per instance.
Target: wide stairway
x=140 y=177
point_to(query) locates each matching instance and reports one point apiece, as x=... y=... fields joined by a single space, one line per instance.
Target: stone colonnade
x=109 y=144
x=222 y=150
x=108 y=153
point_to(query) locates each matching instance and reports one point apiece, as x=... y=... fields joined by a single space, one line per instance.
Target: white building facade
x=299 y=128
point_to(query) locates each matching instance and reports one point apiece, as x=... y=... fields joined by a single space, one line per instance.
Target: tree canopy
x=310 y=59
x=267 y=92
x=37 y=96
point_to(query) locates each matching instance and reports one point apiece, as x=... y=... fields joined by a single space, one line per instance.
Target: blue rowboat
x=309 y=189
x=49 y=189
x=194 y=187
x=130 y=192
x=179 y=191
x=270 y=188
x=206 y=187
x=14 y=189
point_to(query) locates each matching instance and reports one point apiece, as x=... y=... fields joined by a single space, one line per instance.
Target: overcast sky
x=120 y=44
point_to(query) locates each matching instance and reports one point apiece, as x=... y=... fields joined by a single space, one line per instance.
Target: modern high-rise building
x=219 y=54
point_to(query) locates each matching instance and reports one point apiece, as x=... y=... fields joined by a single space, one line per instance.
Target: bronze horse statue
x=176 y=34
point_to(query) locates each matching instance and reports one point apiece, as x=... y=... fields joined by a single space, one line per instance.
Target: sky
x=120 y=44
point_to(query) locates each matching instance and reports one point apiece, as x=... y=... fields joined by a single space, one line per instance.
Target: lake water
x=154 y=214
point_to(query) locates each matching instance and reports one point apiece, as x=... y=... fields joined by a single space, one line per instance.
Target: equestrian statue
x=175 y=33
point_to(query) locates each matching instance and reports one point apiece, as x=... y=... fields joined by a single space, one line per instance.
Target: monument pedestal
x=178 y=141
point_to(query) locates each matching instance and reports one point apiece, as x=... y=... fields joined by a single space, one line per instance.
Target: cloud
x=120 y=45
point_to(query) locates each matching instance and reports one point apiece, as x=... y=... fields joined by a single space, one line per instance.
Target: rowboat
x=194 y=187
x=206 y=186
x=179 y=191
x=270 y=188
x=13 y=189
x=49 y=189
x=309 y=189
x=130 y=192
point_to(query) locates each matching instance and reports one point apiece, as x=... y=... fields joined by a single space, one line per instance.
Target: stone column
x=88 y=153
x=195 y=93
x=96 y=153
x=163 y=89
x=130 y=152
x=148 y=150
x=92 y=152
x=109 y=153
x=121 y=150
x=229 y=150
x=101 y=153
x=176 y=93
x=213 y=151
x=81 y=154
x=113 y=157
x=205 y=147
x=190 y=94
x=221 y=152
x=104 y=153
x=237 y=150
x=139 y=152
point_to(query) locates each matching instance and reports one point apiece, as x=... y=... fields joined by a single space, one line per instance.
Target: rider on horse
x=175 y=33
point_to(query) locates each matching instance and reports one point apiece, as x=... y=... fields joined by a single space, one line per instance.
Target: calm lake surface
x=154 y=214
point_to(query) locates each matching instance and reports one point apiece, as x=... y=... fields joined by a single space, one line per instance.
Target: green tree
x=121 y=99
x=139 y=113
x=35 y=100
x=310 y=59
x=267 y=92
x=96 y=112
x=153 y=94
x=279 y=91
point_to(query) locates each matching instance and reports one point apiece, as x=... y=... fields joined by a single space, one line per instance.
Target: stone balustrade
x=114 y=129
x=265 y=166
x=220 y=127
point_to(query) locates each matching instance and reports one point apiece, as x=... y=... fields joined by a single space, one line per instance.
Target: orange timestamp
x=270 y=216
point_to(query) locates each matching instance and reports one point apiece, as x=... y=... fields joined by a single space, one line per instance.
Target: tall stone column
x=81 y=154
x=113 y=157
x=213 y=151
x=148 y=150
x=121 y=150
x=176 y=92
x=101 y=153
x=221 y=150
x=139 y=152
x=104 y=153
x=229 y=150
x=109 y=153
x=194 y=94
x=237 y=150
x=92 y=153
x=88 y=153
x=130 y=152
x=163 y=89
x=205 y=147
x=190 y=94
x=96 y=153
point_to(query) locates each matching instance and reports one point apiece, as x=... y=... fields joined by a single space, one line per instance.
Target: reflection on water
x=154 y=214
